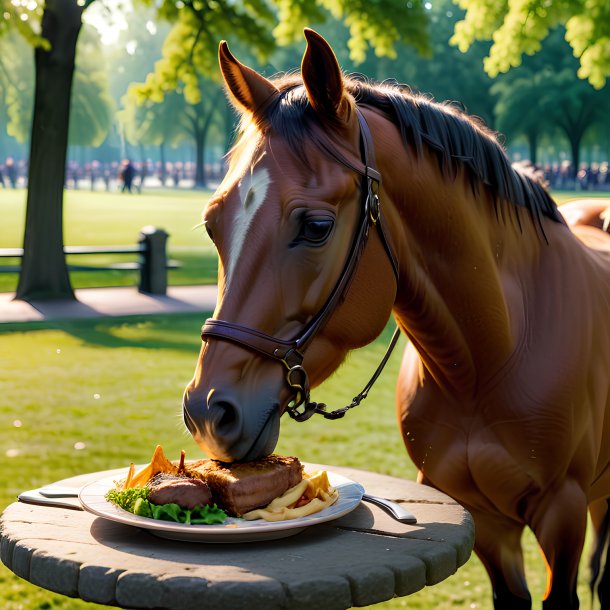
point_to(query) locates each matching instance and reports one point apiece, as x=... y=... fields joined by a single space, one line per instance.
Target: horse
x=348 y=202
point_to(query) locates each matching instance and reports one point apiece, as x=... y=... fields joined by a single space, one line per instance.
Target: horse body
x=505 y=382
x=525 y=443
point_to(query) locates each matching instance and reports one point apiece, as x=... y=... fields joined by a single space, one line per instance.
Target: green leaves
x=127 y=498
x=589 y=35
x=256 y=27
x=519 y=26
x=378 y=25
x=92 y=109
x=24 y=18
x=92 y=106
x=545 y=97
x=136 y=501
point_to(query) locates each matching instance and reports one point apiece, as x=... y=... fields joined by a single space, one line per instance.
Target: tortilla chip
x=158 y=463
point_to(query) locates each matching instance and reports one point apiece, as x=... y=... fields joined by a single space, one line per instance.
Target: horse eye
x=317 y=230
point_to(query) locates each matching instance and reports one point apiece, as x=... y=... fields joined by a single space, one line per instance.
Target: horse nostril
x=224 y=418
x=226 y=415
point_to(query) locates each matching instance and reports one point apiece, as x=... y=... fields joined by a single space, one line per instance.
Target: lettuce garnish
x=136 y=501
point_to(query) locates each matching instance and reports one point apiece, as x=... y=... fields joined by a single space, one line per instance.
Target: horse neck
x=450 y=300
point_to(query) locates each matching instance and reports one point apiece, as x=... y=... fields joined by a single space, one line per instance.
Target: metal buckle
x=374 y=203
x=374 y=208
x=291 y=359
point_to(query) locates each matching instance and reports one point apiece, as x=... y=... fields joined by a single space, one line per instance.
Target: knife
x=61 y=500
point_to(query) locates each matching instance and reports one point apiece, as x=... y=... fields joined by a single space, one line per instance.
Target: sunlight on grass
x=102 y=219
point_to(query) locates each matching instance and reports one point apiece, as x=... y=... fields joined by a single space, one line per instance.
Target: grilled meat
x=241 y=487
x=184 y=491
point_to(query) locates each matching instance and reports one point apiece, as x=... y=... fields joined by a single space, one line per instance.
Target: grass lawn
x=90 y=395
x=101 y=219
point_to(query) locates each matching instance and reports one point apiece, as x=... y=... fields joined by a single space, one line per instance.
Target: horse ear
x=249 y=89
x=322 y=77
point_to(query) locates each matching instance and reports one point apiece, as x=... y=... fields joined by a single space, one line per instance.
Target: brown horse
x=346 y=202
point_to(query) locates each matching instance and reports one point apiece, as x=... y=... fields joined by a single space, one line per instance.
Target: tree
x=183 y=119
x=449 y=74
x=545 y=93
x=44 y=273
x=197 y=28
x=518 y=27
x=518 y=106
x=575 y=107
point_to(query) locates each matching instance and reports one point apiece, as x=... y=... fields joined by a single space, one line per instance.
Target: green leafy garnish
x=136 y=501
x=126 y=498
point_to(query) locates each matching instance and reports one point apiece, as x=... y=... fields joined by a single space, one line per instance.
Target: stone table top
x=362 y=558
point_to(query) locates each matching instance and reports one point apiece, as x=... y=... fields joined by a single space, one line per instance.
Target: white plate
x=232 y=530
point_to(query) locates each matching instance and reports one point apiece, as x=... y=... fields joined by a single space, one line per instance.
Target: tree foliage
x=153 y=124
x=545 y=95
x=449 y=74
x=24 y=18
x=92 y=109
x=257 y=26
x=518 y=27
x=16 y=84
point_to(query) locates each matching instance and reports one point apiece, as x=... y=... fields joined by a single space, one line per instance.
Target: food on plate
x=274 y=488
x=242 y=487
x=313 y=494
x=137 y=501
x=181 y=490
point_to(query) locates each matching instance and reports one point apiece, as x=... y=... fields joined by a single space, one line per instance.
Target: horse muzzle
x=228 y=427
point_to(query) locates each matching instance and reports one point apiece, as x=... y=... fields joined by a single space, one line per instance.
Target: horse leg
x=498 y=546
x=559 y=522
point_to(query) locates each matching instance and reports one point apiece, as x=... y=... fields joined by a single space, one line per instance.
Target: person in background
x=11 y=171
x=128 y=172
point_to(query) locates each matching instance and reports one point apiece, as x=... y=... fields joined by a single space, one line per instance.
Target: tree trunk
x=44 y=273
x=163 y=176
x=575 y=146
x=200 y=177
x=532 y=140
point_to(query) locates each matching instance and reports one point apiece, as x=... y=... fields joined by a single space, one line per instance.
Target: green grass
x=101 y=219
x=116 y=384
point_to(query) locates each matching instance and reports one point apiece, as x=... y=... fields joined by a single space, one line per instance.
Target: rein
x=290 y=352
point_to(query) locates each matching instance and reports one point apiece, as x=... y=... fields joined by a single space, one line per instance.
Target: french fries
x=313 y=494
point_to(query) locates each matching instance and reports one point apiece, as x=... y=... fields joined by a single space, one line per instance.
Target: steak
x=241 y=487
x=184 y=491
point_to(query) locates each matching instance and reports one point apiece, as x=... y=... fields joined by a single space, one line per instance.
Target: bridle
x=290 y=352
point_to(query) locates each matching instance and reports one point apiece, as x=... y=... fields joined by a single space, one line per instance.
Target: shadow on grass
x=168 y=332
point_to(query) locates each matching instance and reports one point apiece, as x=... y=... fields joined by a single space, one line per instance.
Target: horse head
x=299 y=282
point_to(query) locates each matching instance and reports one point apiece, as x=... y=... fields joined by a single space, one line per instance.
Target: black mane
x=454 y=136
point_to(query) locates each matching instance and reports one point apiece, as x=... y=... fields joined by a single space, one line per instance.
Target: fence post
x=153 y=264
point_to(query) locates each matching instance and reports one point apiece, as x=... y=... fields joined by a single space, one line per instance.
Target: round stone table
x=362 y=558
